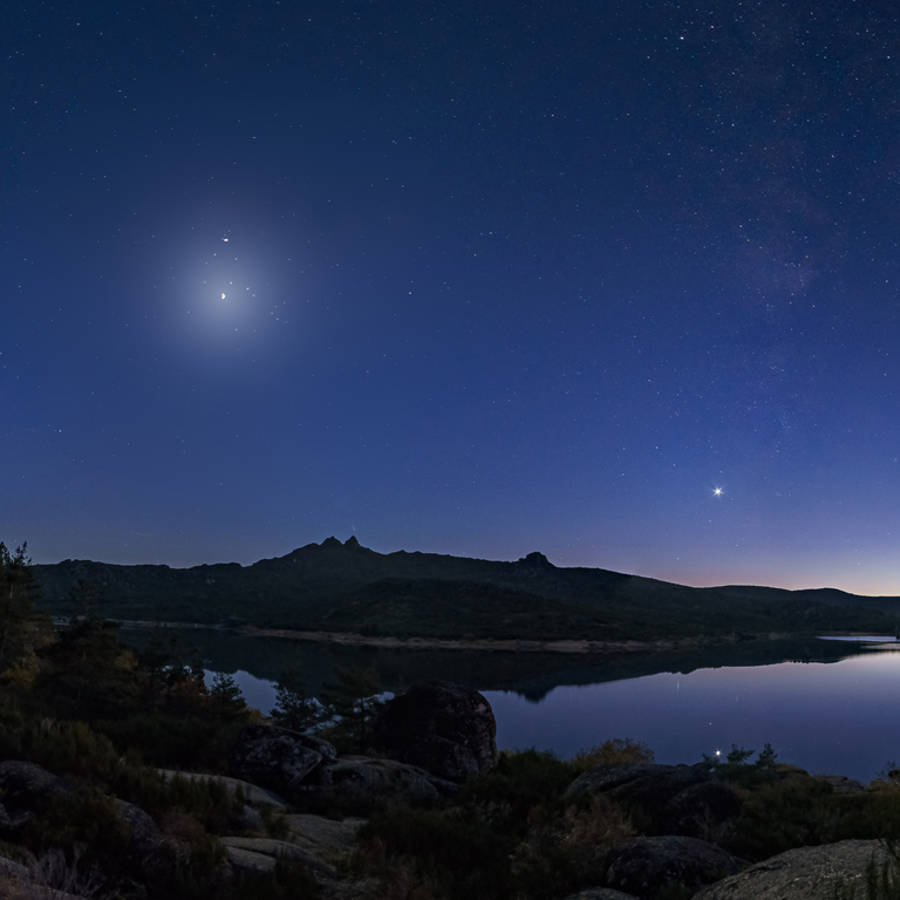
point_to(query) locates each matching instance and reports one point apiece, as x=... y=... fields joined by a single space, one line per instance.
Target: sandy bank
x=517 y=645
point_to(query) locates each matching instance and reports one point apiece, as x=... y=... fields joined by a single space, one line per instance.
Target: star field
x=618 y=282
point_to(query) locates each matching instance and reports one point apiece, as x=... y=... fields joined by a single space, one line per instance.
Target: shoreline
x=509 y=645
x=579 y=646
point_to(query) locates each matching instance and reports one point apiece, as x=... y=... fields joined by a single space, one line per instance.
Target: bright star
x=222 y=295
x=717 y=491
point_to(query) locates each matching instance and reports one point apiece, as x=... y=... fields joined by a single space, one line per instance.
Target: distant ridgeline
x=346 y=587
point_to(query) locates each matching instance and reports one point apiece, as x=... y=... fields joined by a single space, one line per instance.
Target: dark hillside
x=348 y=587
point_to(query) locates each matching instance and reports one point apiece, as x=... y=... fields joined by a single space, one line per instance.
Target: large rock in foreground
x=830 y=870
x=647 y=864
x=23 y=785
x=442 y=727
x=277 y=758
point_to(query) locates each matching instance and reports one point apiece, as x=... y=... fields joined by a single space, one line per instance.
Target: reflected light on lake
x=837 y=712
x=839 y=718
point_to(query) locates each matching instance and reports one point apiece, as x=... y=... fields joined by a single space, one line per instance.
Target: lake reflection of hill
x=532 y=675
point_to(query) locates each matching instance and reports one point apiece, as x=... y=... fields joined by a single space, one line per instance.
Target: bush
x=84 y=818
x=615 y=752
x=518 y=789
x=65 y=748
x=795 y=811
x=289 y=881
x=508 y=836
x=176 y=741
x=568 y=853
x=456 y=855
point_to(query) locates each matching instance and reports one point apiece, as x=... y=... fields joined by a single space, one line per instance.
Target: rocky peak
x=536 y=560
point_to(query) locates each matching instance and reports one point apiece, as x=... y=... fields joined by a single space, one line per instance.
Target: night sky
x=464 y=277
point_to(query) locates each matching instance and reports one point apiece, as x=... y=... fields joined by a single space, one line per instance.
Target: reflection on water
x=840 y=718
x=532 y=675
x=861 y=638
x=827 y=706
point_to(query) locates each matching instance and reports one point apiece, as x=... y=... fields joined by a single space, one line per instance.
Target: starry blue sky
x=474 y=278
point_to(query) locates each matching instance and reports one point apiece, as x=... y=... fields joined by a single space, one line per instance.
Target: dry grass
x=600 y=824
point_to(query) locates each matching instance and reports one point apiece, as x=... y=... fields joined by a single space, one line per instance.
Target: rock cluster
x=448 y=732
x=278 y=758
x=435 y=736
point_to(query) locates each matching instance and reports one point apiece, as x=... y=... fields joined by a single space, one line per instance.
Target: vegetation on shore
x=514 y=833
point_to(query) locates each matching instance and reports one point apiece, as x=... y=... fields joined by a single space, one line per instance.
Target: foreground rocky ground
x=439 y=814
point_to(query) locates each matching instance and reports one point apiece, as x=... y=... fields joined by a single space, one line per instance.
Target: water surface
x=827 y=706
x=839 y=717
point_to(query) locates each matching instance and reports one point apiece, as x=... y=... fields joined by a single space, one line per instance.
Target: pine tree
x=22 y=627
x=225 y=697
x=91 y=672
x=354 y=698
x=293 y=709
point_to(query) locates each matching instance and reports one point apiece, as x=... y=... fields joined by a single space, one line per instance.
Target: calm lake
x=828 y=706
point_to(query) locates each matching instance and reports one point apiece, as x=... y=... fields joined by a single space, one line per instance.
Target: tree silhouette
x=22 y=627
x=293 y=708
x=354 y=697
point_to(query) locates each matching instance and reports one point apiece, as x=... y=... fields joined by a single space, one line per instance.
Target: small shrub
x=85 y=824
x=601 y=823
x=289 y=881
x=185 y=829
x=522 y=787
x=55 y=871
x=568 y=852
x=794 y=811
x=274 y=822
x=176 y=740
x=617 y=751
x=454 y=853
x=68 y=748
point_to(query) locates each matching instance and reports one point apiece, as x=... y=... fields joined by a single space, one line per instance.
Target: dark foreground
x=123 y=776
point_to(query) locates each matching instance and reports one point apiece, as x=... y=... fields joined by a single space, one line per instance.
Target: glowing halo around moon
x=220 y=295
x=224 y=294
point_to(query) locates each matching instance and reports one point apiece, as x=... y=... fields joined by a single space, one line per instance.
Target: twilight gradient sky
x=467 y=277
